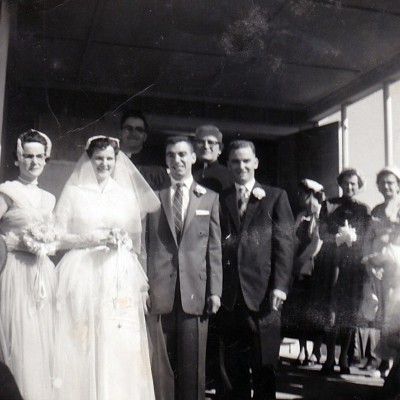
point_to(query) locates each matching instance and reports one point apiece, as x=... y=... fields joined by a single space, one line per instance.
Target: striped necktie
x=178 y=210
x=242 y=203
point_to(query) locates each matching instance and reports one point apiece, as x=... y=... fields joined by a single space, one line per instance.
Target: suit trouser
x=185 y=337
x=241 y=338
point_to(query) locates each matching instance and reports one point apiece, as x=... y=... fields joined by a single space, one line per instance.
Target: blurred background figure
x=343 y=223
x=208 y=171
x=134 y=131
x=382 y=256
x=308 y=243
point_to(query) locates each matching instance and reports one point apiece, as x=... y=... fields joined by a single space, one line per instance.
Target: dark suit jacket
x=257 y=254
x=197 y=257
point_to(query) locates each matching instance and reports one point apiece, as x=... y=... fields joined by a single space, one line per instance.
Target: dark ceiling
x=286 y=62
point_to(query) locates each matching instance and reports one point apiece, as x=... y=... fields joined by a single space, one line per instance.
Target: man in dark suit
x=257 y=246
x=184 y=270
x=208 y=171
x=134 y=129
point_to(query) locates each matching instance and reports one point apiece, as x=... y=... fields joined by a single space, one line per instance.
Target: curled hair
x=32 y=136
x=101 y=144
x=349 y=172
x=241 y=144
x=133 y=114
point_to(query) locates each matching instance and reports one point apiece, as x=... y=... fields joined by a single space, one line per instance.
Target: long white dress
x=102 y=351
x=26 y=316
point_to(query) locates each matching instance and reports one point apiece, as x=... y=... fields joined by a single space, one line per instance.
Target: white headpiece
x=20 y=149
x=90 y=140
x=124 y=173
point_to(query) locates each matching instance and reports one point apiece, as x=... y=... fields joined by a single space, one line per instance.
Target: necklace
x=26 y=182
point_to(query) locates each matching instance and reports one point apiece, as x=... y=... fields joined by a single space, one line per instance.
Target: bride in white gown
x=28 y=281
x=101 y=350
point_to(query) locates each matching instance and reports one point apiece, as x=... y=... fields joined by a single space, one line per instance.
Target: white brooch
x=200 y=190
x=259 y=193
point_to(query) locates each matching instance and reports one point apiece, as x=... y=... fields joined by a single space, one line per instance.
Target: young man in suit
x=257 y=243
x=185 y=271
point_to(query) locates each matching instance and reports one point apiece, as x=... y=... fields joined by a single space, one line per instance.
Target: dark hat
x=208 y=130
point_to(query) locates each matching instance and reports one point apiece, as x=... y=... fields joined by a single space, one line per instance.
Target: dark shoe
x=370 y=365
x=344 y=370
x=327 y=369
x=306 y=363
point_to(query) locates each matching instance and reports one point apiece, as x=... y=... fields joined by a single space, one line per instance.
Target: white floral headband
x=20 y=150
x=90 y=140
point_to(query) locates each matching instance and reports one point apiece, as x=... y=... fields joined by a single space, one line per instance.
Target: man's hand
x=277 y=299
x=213 y=304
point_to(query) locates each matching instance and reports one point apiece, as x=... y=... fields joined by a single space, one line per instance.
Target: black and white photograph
x=199 y=199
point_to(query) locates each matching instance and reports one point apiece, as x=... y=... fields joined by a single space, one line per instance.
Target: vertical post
x=5 y=20
x=388 y=124
x=343 y=138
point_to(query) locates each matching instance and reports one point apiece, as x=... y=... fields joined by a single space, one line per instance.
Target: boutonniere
x=259 y=193
x=199 y=190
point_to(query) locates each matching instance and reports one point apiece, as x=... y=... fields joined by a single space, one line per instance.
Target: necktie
x=178 y=210
x=242 y=201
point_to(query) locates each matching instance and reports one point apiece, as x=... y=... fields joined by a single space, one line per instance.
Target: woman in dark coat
x=343 y=223
x=295 y=310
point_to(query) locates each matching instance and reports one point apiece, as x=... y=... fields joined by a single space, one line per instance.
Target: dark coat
x=257 y=253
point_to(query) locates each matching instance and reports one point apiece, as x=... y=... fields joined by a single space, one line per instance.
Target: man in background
x=208 y=171
x=134 y=130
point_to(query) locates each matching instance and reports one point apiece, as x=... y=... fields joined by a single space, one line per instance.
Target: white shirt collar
x=249 y=185
x=187 y=182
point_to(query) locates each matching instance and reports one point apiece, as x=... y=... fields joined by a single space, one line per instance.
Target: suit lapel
x=252 y=207
x=194 y=201
x=231 y=205
x=165 y=197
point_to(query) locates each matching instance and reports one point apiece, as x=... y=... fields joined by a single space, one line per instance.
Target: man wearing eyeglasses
x=208 y=171
x=133 y=139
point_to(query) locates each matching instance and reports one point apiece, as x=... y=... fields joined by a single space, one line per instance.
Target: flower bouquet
x=40 y=239
x=119 y=239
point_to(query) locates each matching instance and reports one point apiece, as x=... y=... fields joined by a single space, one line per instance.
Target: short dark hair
x=347 y=173
x=101 y=144
x=133 y=114
x=241 y=144
x=171 y=140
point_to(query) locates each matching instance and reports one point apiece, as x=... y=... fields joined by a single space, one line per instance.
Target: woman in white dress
x=102 y=350
x=28 y=280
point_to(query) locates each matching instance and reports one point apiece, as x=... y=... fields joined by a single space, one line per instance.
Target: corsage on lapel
x=199 y=190
x=259 y=193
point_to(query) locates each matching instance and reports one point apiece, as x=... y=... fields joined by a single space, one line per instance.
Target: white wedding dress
x=102 y=350
x=26 y=313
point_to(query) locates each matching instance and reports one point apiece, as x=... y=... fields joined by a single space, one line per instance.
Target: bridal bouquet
x=40 y=238
x=120 y=239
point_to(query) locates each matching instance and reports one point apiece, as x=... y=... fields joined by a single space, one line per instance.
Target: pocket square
x=202 y=212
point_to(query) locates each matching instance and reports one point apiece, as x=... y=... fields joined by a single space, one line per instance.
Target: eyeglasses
x=210 y=143
x=130 y=129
